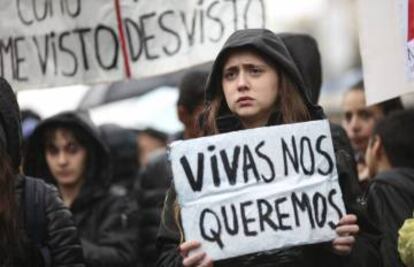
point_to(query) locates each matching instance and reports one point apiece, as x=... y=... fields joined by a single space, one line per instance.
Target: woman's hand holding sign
x=346 y=229
x=342 y=245
x=198 y=258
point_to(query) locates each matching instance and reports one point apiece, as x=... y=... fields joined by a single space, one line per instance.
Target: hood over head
x=10 y=129
x=122 y=144
x=98 y=169
x=297 y=55
x=304 y=51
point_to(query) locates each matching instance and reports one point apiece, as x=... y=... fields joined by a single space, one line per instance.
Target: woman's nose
x=242 y=83
x=355 y=123
x=62 y=158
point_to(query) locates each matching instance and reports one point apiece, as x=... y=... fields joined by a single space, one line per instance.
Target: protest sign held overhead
x=52 y=43
x=177 y=34
x=387 y=48
x=258 y=189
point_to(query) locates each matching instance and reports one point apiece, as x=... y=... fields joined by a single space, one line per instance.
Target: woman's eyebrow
x=231 y=68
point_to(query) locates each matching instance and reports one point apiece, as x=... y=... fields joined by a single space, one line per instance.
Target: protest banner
x=175 y=34
x=387 y=48
x=258 y=189
x=51 y=43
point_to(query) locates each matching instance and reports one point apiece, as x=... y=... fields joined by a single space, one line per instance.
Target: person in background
x=255 y=82
x=155 y=178
x=359 y=120
x=190 y=103
x=390 y=163
x=122 y=144
x=17 y=244
x=66 y=151
x=150 y=140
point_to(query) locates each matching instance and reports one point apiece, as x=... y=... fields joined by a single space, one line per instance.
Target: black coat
x=124 y=156
x=106 y=223
x=108 y=230
x=274 y=48
x=62 y=235
x=391 y=202
x=150 y=189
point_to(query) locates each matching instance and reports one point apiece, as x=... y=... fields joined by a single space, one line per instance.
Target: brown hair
x=9 y=227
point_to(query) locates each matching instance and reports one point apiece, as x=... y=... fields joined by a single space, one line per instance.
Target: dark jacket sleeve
x=365 y=252
x=385 y=204
x=62 y=235
x=117 y=240
x=168 y=234
x=150 y=189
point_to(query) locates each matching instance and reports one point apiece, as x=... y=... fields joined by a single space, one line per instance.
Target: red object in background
x=410 y=20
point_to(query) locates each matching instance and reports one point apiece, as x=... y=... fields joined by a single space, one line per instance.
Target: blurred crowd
x=103 y=188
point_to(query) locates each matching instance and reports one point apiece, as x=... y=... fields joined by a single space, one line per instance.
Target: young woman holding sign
x=255 y=82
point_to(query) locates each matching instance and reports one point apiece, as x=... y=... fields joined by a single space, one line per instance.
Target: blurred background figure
x=123 y=150
x=155 y=177
x=390 y=163
x=149 y=141
x=359 y=120
x=190 y=104
x=66 y=150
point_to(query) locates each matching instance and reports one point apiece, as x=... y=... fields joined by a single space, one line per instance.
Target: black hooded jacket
x=124 y=154
x=105 y=222
x=391 y=200
x=62 y=236
x=277 y=48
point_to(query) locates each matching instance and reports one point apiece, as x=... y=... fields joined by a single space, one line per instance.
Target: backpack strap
x=35 y=215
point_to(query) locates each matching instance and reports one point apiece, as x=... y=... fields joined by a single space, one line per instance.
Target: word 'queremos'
x=235 y=219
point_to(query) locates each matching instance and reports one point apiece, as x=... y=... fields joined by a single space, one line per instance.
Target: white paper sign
x=175 y=34
x=258 y=189
x=386 y=42
x=53 y=43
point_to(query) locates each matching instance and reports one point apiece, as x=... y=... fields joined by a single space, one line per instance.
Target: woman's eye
x=229 y=75
x=51 y=150
x=256 y=71
x=366 y=115
x=72 y=148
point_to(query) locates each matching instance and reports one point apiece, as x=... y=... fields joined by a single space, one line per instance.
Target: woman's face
x=250 y=87
x=66 y=158
x=359 y=119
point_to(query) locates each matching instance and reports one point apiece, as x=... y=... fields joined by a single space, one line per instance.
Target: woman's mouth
x=64 y=174
x=244 y=101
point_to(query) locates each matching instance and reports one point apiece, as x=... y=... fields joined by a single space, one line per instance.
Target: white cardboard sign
x=386 y=41
x=52 y=43
x=258 y=189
